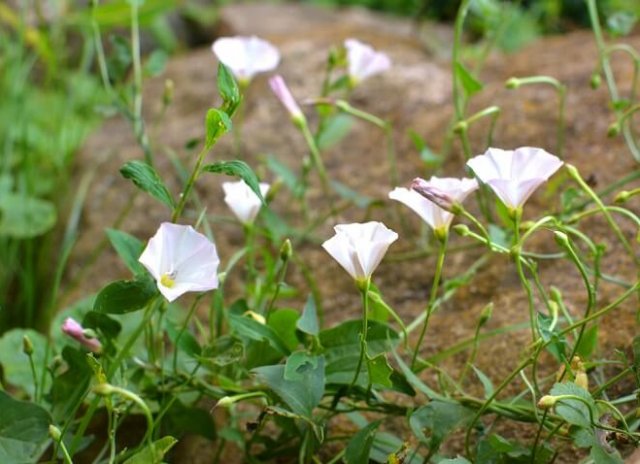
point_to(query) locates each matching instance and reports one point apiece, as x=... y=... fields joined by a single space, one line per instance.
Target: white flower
x=359 y=248
x=246 y=56
x=243 y=201
x=514 y=174
x=364 y=61
x=73 y=329
x=280 y=89
x=448 y=191
x=181 y=260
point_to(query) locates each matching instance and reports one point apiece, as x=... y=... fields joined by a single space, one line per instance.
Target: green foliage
x=154 y=453
x=24 y=430
x=125 y=296
x=147 y=179
x=239 y=169
x=359 y=446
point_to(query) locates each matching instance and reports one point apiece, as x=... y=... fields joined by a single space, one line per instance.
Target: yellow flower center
x=167 y=280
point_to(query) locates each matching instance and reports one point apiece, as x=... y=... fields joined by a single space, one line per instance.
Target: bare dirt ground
x=415 y=94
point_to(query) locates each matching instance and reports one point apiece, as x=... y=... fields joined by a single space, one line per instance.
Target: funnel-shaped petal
x=514 y=174
x=359 y=248
x=243 y=201
x=447 y=191
x=181 y=260
x=364 y=61
x=246 y=56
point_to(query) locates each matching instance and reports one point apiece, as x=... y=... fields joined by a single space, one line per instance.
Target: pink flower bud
x=73 y=329
x=281 y=91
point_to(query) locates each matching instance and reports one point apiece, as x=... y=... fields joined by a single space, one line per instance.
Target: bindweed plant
x=192 y=344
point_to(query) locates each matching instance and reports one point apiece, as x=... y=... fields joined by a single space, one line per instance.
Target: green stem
x=177 y=212
x=364 y=290
x=192 y=310
x=432 y=296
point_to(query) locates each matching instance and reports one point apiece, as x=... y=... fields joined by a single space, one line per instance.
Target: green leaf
x=239 y=169
x=254 y=330
x=153 y=453
x=217 y=123
x=25 y=217
x=621 y=23
x=185 y=341
x=588 y=342
x=342 y=349
x=469 y=83
x=439 y=418
x=485 y=381
x=298 y=364
x=15 y=363
x=156 y=63
x=458 y=460
x=334 y=130
x=70 y=387
x=283 y=322
x=359 y=446
x=379 y=371
x=147 y=179
x=24 y=431
x=101 y=323
x=283 y=172
x=308 y=322
x=228 y=89
x=361 y=201
x=574 y=412
x=128 y=247
x=301 y=395
x=184 y=420
x=428 y=157
x=125 y=296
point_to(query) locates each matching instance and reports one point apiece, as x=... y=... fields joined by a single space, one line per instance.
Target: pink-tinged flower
x=514 y=174
x=281 y=91
x=359 y=248
x=181 y=260
x=364 y=61
x=243 y=201
x=246 y=56
x=73 y=329
x=442 y=194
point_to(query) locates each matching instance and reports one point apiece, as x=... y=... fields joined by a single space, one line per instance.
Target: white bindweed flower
x=443 y=194
x=359 y=248
x=243 y=201
x=181 y=260
x=280 y=89
x=514 y=174
x=246 y=56
x=73 y=329
x=364 y=61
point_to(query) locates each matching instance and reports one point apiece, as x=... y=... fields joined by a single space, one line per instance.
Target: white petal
x=243 y=201
x=246 y=56
x=190 y=258
x=427 y=210
x=364 y=61
x=359 y=248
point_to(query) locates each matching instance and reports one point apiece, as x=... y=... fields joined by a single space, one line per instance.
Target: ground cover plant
x=241 y=353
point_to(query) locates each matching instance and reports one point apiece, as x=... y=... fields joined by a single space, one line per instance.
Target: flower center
x=168 y=279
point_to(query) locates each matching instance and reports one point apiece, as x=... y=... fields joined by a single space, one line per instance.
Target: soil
x=415 y=94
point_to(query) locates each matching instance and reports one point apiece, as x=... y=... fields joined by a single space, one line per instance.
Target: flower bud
x=486 y=313
x=286 y=250
x=461 y=127
x=622 y=197
x=595 y=80
x=461 y=229
x=167 y=94
x=27 y=345
x=512 y=83
x=582 y=380
x=613 y=130
x=562 y=239
x=256 y=317
x=547 y=401
x=55 y=433
x=103 y=389
x=435 y=195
